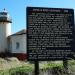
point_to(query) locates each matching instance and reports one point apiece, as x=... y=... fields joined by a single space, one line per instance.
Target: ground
x=12 y=66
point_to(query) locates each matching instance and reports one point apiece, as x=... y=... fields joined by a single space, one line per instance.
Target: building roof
x=23 y=31
x=4 y=17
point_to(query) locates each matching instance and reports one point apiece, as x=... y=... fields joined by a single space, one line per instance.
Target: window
x=17 y=45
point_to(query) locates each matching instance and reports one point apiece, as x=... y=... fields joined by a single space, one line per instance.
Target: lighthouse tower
x=5 y=30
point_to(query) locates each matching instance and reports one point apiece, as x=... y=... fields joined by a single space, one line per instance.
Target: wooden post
x=36 y=67
x=65 y=64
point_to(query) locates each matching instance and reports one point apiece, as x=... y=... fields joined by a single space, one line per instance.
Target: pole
x=36 y=67
x=65 y=64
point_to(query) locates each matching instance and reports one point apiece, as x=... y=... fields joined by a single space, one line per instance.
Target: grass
x=26 y=67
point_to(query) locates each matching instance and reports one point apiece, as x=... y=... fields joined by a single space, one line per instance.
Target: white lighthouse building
x=5 y=30
x=11 y=44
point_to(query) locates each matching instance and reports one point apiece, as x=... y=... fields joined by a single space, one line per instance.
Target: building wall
x=5 y=31
x=21 y=39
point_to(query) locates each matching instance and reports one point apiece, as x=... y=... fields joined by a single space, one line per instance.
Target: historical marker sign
x=50 y=33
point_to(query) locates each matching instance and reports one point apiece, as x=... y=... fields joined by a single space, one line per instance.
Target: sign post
x=65 y=64
x=50 y=34
x=36 y=67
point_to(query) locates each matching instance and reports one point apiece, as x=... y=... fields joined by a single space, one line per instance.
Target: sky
x=17 y=9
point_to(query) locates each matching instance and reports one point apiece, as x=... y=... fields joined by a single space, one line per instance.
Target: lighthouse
x=11 y=45
x=5 y=30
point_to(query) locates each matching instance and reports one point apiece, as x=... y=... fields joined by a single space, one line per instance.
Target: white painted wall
x=5 y=31
x=22 y=40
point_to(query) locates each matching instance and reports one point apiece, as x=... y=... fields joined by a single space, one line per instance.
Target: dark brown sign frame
x=49 y=24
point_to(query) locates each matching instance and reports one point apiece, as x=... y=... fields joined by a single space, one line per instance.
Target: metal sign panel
x=50 y=33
